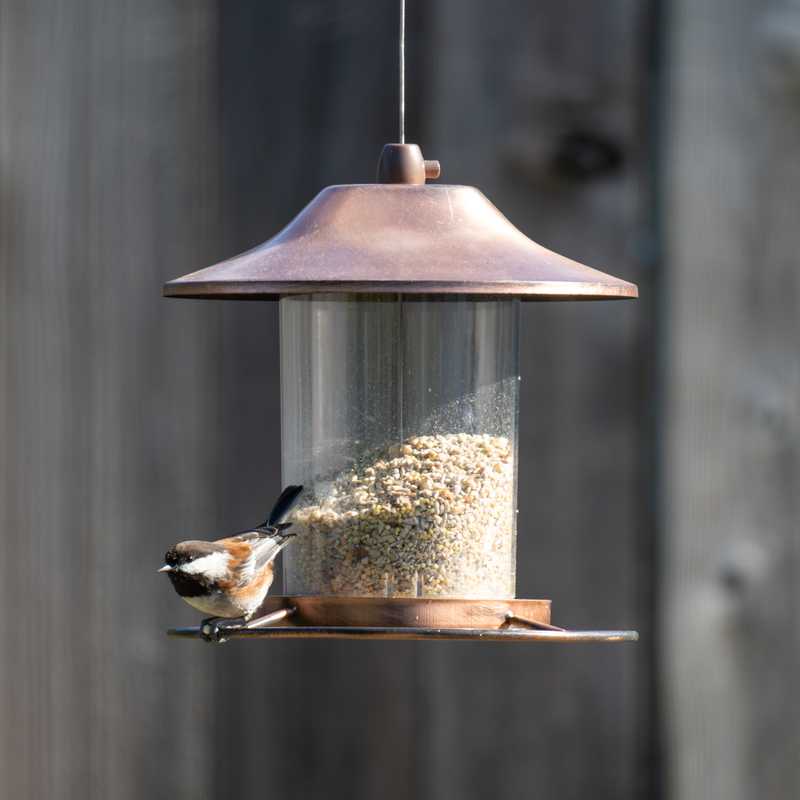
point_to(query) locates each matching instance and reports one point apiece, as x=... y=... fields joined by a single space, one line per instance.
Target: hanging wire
x=402 y=71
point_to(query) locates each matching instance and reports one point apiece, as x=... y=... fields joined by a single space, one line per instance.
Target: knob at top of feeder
x=403 y=163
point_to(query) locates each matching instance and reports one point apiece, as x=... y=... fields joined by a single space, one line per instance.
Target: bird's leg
x=213 y=628
x=269 y=619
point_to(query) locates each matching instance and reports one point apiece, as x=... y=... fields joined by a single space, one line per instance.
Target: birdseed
x=433 y=516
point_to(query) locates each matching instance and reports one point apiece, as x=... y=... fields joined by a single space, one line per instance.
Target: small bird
x=230 y=577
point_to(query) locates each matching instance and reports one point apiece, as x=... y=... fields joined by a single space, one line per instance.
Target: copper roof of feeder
x=400 y=236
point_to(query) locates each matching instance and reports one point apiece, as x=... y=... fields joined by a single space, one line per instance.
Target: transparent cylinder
x=399 y=417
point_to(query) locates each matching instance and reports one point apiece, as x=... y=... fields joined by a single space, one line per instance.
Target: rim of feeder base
x=410 y=634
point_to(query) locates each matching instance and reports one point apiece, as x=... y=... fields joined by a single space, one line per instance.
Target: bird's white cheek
x=213 y=566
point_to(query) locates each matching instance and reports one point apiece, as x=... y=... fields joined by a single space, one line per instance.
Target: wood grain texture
x=108 y=172
x=732 y=429
x=514 y=86
x=452 y=721
x=305 y=104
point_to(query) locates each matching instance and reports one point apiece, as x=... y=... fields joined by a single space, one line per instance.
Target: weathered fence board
x=732 y=427
x=486 y=95
x=540 y=104
x=108 y=174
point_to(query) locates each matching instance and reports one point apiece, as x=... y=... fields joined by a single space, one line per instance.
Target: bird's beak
x=165 y=568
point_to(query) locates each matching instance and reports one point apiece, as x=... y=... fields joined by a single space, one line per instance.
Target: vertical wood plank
x=108 y=172
x=308 y=92
x=525 y=99
x=732 y=429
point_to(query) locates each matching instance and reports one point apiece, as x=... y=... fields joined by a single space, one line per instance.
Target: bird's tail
x=283 y=505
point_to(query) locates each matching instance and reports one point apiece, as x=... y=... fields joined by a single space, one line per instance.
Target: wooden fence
x=659 y=438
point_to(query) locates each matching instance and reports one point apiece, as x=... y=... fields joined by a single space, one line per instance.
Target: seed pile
x=433 y=516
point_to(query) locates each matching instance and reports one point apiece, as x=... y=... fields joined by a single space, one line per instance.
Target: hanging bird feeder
x=399 y=324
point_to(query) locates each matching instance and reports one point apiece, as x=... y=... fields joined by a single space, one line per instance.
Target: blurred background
x=660 y=439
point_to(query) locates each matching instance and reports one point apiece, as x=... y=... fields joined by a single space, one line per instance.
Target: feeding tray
x=402 y=618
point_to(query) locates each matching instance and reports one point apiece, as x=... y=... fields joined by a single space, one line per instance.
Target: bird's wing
x=258 y=548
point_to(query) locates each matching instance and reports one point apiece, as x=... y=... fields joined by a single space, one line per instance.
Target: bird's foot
x=213 y=629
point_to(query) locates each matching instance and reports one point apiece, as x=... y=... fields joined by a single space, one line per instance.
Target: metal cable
x=402 y=71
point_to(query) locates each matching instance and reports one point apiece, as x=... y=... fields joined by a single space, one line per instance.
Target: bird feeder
x=399 y=324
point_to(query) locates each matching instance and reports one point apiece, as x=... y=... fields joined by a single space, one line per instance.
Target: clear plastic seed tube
x=400 y=417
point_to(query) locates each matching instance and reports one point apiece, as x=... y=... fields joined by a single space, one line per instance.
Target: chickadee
x=230 y=577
